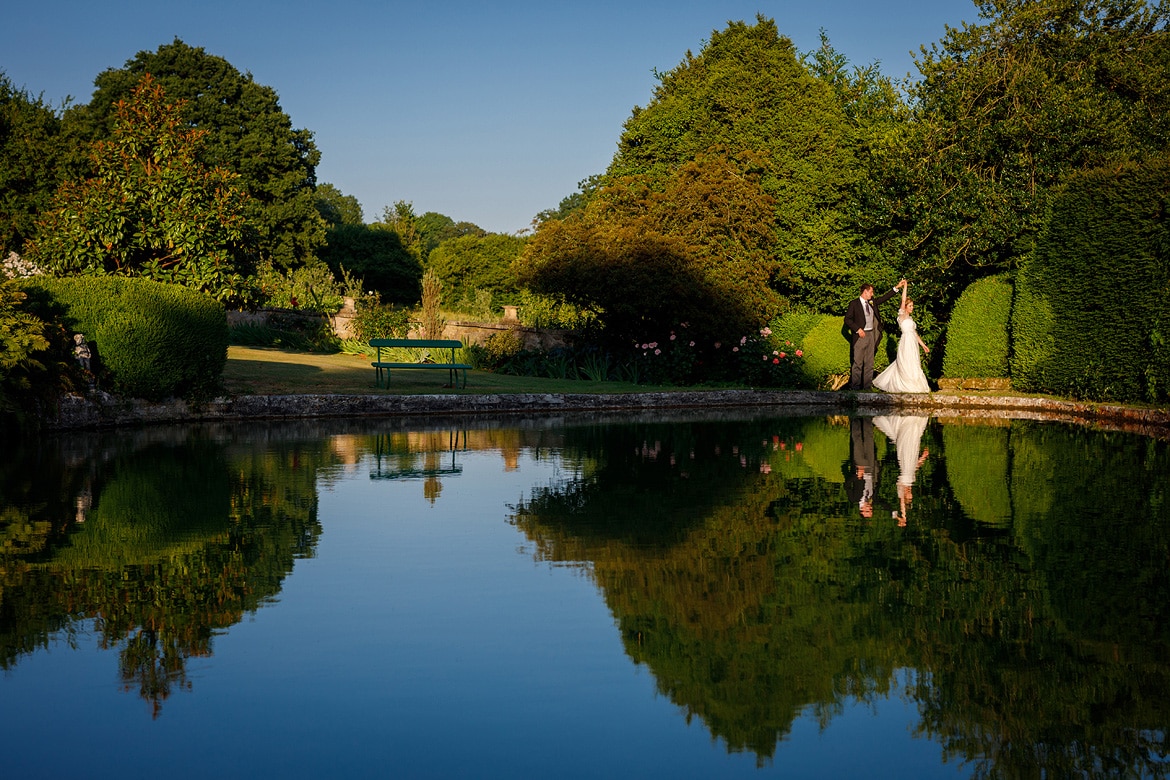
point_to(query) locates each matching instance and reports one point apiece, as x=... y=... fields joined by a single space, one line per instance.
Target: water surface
x=720 y=595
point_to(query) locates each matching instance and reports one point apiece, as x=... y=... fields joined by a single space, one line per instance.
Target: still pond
x=676 y=595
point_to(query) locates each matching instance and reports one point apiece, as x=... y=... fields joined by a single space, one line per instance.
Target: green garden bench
x=382 y=369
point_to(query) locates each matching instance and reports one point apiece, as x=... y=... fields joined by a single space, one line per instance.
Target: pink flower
x=765 y=468
x=653 y=344
x=775 y=360
x=673 y=337
x=766 y=332
x=692 y=343
x=765 y=357
x=645 y=346
x=717 y=345
x=657 y=352
x=783 y=355
x=743 y=341
x=799 y=353
x=774 y=352
x=735 y=349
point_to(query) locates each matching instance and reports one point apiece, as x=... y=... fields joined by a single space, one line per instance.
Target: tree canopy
x=151 y=208
x=745 y=162
x=248 y=133
x=1004 y=111
x=29 y=158
x=469 y=263
x=337 y=208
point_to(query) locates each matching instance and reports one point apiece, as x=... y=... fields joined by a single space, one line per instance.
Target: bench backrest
x=417 y=343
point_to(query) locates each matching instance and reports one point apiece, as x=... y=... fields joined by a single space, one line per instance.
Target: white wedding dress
x=905 y=374
x=905 y=431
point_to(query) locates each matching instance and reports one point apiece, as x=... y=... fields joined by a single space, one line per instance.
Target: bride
x=905 y=374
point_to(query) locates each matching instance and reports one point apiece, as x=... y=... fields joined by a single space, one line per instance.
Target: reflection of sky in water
x=421 y=639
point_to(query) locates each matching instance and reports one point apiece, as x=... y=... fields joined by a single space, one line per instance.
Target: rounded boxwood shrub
x=151 y=340
x=826 y=350
x=977 y=336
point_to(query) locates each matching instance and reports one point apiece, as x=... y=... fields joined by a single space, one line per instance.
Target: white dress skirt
x=905 y=374
x=905 y=431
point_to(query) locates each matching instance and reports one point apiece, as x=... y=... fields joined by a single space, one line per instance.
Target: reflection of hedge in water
x=824 y=451
x=160 y=501
x=774 y=602
x=977 y=466
x=230 y=552
x=1103 y=537
x=1047 y=661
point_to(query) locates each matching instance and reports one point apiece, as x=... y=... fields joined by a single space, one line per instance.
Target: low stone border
x=105 y=411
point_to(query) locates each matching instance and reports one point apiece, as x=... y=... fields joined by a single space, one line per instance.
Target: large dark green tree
x=337 y=208
x=248 y=133
x=1004 y=111
x=378 y=258
x=435 y=228
x=29 y=155
x=749 y=93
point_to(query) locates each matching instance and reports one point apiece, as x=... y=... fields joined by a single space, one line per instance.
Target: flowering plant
x=671 y=360
x=765 y=360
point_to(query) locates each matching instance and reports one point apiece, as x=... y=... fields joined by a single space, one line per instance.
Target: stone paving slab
x=104 y=411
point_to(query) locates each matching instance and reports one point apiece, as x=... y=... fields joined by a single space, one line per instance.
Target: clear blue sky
x=484 y=111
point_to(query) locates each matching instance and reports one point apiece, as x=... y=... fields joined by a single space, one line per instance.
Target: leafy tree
x=151 y=208
x=469 y=263
x=22 y=347
x=586 y=189
x=696 y=251
x=435 y=228
x=875 y=115
x=401 y=219
x=337 y=208
x=748 y=93
x=29 y=155
x=378 y=257
x=1004 y=111
x=247 y=133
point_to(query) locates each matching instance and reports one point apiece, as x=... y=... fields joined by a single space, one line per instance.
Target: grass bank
x=268 y=371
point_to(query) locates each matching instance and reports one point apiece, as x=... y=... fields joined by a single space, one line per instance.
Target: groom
x=865 y=331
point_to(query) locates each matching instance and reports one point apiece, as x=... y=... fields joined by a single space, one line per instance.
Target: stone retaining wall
x=105 y=411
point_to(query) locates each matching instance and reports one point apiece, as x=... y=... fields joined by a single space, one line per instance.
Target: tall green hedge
x=825 y=347
x=151 y=340
x=1090 y=319
x=978 y=334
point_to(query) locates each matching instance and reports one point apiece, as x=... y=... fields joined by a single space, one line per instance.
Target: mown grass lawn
x=267 y=371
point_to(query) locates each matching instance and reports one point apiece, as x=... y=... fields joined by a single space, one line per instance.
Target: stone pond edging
x=103 y=411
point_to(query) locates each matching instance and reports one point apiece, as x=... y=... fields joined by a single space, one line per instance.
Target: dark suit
x=862 y=458
x=862 y=350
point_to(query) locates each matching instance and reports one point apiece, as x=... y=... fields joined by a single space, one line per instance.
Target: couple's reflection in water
x=905 y=432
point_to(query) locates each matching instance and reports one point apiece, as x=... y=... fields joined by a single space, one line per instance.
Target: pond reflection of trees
x=1030 y=590
x=159 y=539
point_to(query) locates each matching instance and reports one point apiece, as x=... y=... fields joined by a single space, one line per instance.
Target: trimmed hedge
x=978 y=336
x=151 y=340
x=977 y=470
x=1090 y=317
x=825 y=347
